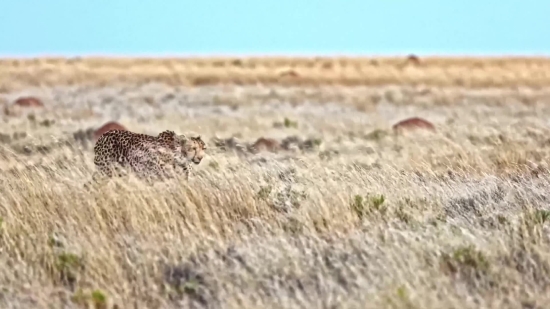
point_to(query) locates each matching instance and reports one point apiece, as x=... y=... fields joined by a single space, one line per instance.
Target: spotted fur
x=147 y=155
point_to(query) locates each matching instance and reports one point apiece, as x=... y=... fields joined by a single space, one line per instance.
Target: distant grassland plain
x=345 y=71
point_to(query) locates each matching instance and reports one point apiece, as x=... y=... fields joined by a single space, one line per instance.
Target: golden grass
x=431 y=71
x=455 y=219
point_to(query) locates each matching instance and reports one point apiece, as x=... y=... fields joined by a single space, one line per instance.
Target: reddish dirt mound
x=263 y=144
x=413 y=59
x=289 y=73
x=108 y=127
x=28 y=102
x=412 y=124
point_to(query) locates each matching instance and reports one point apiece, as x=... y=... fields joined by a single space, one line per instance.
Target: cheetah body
x=147 y=155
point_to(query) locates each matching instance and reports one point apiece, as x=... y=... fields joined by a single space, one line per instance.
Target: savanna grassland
x=346 y=214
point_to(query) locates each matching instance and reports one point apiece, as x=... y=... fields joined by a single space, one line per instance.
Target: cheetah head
x=193 y=148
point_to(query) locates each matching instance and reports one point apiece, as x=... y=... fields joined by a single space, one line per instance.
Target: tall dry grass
x=306 y=233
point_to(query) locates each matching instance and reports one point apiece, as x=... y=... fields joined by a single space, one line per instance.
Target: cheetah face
x=195 y=149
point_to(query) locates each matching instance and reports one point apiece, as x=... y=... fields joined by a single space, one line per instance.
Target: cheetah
x=146 y=155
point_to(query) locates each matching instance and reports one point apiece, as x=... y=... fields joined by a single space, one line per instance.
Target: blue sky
x=286 y=27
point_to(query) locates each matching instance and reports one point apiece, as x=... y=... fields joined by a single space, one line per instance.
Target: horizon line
x=272 y=54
